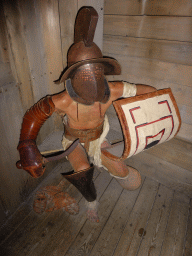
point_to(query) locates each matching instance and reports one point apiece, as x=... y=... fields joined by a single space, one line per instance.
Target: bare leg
x=78 y=159
x=128 y=177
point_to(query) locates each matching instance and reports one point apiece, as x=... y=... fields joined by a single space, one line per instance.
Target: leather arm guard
x=30 y=158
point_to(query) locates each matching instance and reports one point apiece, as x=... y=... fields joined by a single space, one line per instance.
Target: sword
x=54 y=155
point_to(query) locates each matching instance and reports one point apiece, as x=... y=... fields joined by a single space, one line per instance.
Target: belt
x=84 y=136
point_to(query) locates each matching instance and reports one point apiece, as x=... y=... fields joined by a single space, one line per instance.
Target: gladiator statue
x=82 y=106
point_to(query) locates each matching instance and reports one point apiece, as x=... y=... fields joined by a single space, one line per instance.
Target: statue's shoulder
x=62 y=100
x=116 y=89
x=115 y=85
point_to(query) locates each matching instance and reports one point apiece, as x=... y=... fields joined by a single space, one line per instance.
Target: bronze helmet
x=86 y=67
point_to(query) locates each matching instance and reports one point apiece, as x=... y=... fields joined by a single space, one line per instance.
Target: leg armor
x=83 y=181
x=128 y=177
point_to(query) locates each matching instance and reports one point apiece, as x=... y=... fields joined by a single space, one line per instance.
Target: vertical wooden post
x=18 y=47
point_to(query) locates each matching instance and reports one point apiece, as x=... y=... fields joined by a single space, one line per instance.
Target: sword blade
x=61 y=154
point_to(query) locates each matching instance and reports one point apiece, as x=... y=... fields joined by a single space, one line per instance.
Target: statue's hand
x=30 y=158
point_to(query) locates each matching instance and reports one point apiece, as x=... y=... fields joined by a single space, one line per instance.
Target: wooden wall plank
x=5 y=49
x=18 y=47
x=5 y=75
x=182 y=94
x=171 y=7
x=186 y=114
x=50 y=18
x=34 y=41
x=152 y=72
x=67 y=11
x=10 y=111
x=3 y=38
x=156 y=27
x=33 y=32
x=52 y=41
x=157 y=74
x=161 y=75
x=123 y=7
x=15 y=184
x=185 y=132
x=163 y=50
x=175 y=151
x=148 y=7
x=160 y=41
x=166 y=173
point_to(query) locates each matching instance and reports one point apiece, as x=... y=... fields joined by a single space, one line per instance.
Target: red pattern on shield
x=162 y=132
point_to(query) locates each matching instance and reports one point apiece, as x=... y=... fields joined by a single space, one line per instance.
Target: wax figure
x=83 y=107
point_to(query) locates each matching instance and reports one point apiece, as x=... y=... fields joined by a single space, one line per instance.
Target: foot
x=53 y=198
x=92 y=211
x=132 y=181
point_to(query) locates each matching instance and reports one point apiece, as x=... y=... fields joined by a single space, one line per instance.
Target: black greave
x=83 y=181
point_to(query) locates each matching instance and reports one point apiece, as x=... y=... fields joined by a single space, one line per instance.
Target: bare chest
x=85 y=117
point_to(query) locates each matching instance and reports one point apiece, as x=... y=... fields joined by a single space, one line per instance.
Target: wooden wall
x=34 y=39
x=152 y=40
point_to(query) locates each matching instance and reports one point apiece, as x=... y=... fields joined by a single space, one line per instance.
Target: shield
x=146 y=120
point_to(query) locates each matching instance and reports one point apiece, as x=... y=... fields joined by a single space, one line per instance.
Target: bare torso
x=83 y=116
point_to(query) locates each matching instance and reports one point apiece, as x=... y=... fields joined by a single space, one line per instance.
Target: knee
x=116 y=168
x=78 y=159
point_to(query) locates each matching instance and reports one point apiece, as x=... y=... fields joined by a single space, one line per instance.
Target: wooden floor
x=154 y=220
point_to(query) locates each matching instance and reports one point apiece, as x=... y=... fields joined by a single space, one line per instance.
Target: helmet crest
x=86 y=66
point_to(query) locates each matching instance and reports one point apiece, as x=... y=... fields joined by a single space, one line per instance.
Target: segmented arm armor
x=34 y=118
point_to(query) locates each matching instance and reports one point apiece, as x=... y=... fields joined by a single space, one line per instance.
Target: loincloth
x=94 y=151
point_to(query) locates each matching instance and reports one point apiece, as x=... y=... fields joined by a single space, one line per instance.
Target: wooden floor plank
x=12 y=245
x=25 y=209
x=88 y=235
x=130 y=240
x=114 y=227
x=68 y=230
x=14 y=222
x=177 y=224
x=42 y=233
x=18 y=240
x=50 y=225
x=153 y=235
x=155 y=220
x=188 y=244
